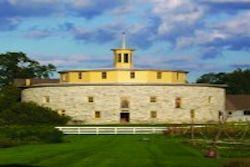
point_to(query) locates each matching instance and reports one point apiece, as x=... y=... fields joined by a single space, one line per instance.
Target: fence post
x=134 y=131
x=97 y=131
x=78 y=131
x=115 y=131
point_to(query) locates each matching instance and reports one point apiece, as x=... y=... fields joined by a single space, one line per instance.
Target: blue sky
x=199 y=36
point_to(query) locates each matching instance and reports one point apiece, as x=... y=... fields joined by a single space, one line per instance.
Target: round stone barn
x=128 y=95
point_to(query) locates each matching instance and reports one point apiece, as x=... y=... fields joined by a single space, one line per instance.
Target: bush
x=31 y=114
x=9 y=96
x=5 y=142
x=15 y=135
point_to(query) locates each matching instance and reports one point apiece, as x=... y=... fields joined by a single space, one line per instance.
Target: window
x=124 y=103
x=119 y=57
x=220 y=115
x=209 y=99
x=247 y=112
x=97 y=114
x=79 y=75
x=177 y=76
x=229 y=113
x=153 y=114
x=132 y=75
x=90 y=99
x=158 y=75
x=192 y=113
x=61 y=112
x=178 y=102
x=153 y=99
x=125 y=58
x=46 y=99
x=104 y=75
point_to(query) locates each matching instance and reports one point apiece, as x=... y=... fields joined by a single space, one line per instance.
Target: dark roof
x=237 y=102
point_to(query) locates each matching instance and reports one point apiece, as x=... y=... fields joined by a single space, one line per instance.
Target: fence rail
x=111 y=130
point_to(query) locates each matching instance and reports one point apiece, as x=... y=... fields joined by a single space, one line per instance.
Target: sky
x=198 y=36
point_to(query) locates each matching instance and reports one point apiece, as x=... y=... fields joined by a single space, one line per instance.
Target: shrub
x=5 y=142
x=14 y=135
x=31 y=114
x=9 y=96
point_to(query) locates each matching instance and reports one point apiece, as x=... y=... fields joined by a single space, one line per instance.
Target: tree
x=18 y=65
x=9 y=95
x=238 y=81
x=213 y=78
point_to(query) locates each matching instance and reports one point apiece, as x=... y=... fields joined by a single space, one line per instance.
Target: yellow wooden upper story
x=123 y=76
x=123 y=71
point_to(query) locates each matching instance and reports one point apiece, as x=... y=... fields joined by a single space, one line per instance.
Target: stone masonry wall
x=205 y=101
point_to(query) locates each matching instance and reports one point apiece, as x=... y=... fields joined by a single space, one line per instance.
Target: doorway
x=124 y=118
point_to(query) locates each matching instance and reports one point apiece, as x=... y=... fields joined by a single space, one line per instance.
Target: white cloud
x=172 y=13
x=223 y=30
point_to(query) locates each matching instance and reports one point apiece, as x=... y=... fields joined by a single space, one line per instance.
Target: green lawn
x=108 y=151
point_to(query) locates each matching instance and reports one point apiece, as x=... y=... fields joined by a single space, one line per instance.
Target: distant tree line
x=237 y=81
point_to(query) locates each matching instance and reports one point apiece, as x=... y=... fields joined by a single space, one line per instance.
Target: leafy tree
x=238 y=81
x=213 y=78
x=18 y=65
x=9 y=95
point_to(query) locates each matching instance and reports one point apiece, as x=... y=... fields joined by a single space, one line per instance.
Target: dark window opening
x=119 y=57
x=192 y=113
x=125 y=58
x=178 y=102
x=79 y=75
x=63 y=112
x=158 y=75
x=132 y=75
x=104 y=75
x=247 y=112
x=153 y=114
x=91 y=99
x=153 y=99
x=124 y=117
x=97 y=114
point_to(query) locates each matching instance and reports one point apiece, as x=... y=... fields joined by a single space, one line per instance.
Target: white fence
x=110 y=130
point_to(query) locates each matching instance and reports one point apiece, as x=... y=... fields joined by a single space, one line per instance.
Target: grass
x=108 y=151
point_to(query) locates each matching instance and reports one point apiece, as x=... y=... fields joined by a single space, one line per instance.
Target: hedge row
x=16 y=135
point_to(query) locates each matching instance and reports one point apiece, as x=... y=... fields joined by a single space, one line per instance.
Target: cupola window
x=119 y=57
x=125 y=58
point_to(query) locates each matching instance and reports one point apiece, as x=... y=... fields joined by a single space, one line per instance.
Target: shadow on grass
x=19 y=165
